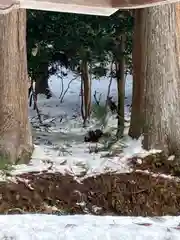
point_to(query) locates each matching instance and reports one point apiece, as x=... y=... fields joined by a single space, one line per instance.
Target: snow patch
x=45 y=227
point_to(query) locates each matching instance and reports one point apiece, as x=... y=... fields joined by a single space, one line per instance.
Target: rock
x=93 y=136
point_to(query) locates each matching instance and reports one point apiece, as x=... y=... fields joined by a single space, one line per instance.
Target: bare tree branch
x=68 y=86
x=95 y=98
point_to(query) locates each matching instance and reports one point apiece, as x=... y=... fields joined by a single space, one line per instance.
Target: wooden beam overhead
x=93 y=7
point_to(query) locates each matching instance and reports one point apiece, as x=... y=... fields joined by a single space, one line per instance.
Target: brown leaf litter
x=127 y=194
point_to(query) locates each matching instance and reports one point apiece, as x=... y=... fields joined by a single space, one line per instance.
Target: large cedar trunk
x=161 y=76
x=120 y=69
x=135 y=129
x=16 y=140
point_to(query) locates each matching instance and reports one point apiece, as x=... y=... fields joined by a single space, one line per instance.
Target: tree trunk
x=178 y=18
x=41 y=84
x=178 y=28
x=161 y=76
x=90 y=87
x=41 y=78
x=16 y=140
x=135 y=129
x=87 y=90
x=120 y=70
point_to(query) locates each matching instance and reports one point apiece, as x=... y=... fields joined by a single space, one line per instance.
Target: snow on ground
x=61 y=146
x=49 y=227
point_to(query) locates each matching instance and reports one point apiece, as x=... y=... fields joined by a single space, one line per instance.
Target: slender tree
x=135 y=129
x=86 y=84
x=120 y=77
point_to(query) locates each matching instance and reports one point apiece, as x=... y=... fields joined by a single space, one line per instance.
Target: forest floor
x=138 y=193
x=68 y=176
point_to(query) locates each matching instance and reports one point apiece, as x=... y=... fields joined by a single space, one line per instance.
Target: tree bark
x=178 y=18
x=15 y=134
x=178 y=28
x=120 y=70
x=161 y=77
x=135 y=129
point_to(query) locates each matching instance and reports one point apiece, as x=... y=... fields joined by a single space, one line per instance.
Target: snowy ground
x=61 y=146
x=48 y=227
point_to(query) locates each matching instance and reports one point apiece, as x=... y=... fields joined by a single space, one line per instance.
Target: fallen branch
x=25 y=182
x=140 y=191
x=12 y=210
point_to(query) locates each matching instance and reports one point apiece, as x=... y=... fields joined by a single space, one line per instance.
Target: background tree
x=121 y=48
x=136 y=122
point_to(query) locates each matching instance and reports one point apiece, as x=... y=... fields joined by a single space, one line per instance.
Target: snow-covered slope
x=48 y=227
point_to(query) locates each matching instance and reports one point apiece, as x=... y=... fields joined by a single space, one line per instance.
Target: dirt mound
x=157 y=163
x=136 y=194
